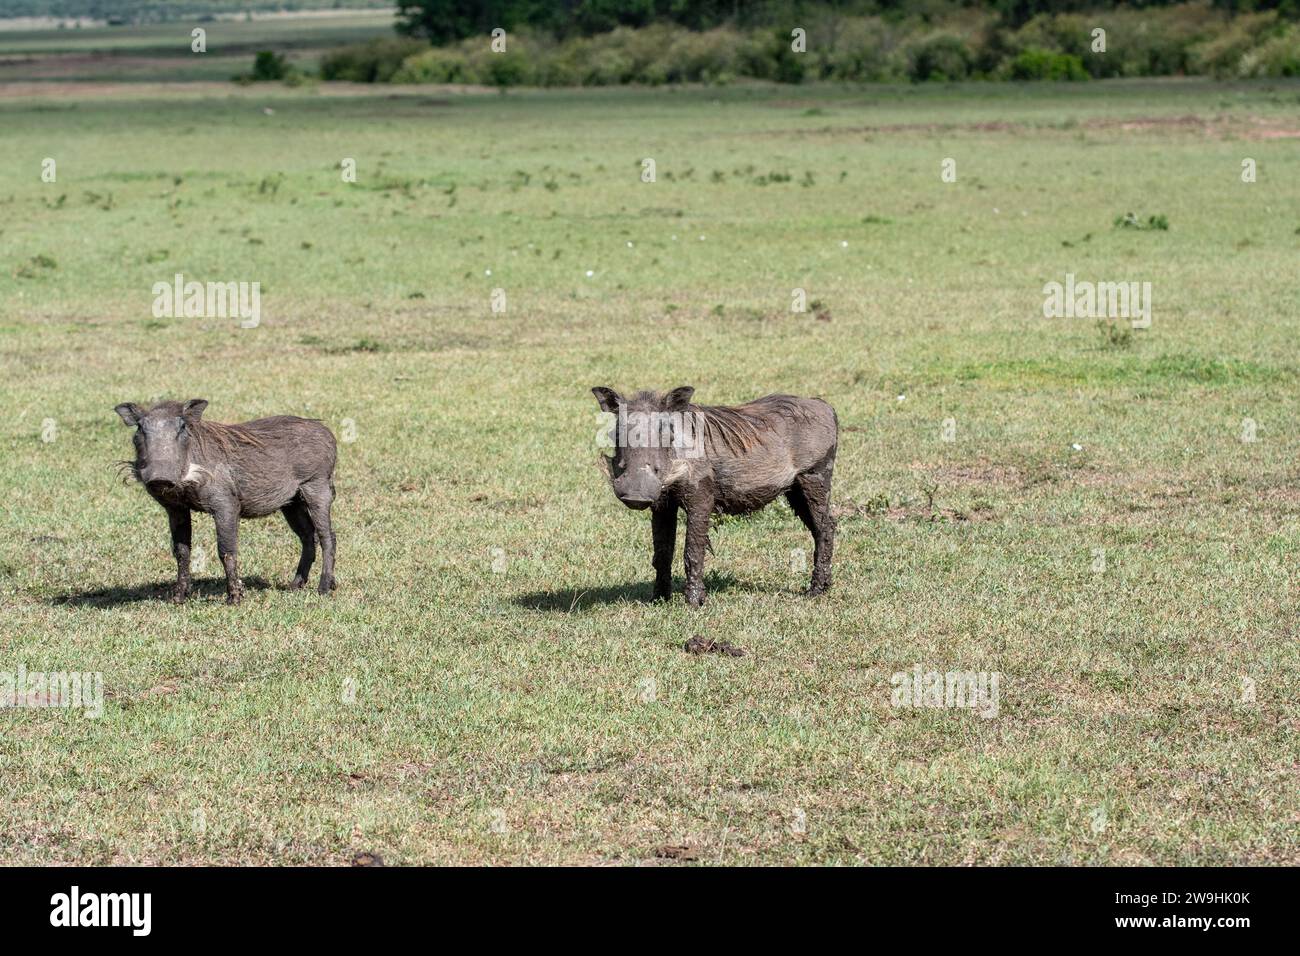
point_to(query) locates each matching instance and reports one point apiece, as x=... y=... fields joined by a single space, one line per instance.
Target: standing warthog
x=233 y=472
x=670 y=454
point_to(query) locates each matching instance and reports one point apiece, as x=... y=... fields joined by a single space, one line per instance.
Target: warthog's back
x=266 y=460
x=755 y=451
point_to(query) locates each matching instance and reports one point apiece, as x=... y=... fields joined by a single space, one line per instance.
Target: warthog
x=670 y=454
x=233 y=472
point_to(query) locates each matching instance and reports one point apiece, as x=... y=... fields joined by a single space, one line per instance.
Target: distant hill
x=154 y=11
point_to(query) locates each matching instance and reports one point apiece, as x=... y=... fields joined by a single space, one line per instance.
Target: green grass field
x=493 y=614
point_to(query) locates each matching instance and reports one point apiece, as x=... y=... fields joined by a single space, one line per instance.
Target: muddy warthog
x=670 y=454
x=236 y=471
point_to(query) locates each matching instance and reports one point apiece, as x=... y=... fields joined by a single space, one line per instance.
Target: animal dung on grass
x=283 y=463
x=706 y=645
x=671 y=454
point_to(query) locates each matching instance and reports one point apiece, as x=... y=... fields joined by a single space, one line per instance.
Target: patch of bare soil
x=901 y=513
x=973 y=473
x=1217 y=127
x=425 y=95
x=673 y=852
x=1287 y=495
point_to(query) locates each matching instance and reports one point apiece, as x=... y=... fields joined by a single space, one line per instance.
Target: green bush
x=374 y=62
x=712 y=57
x=866 y=49
x=1046 y=65
x=1157 y=42
x=434 y=66
x=509 y=68
x=941 y=57
x=269 y=66
x=1277 y=56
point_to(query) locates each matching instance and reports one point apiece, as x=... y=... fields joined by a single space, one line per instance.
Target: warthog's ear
x=193 y=409
x=130 y=413
x=680 y=398
x=608 y=398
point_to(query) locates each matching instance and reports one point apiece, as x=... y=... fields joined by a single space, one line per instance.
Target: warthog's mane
x=741 y=427
x=210 y=437
x=223 y=437
x=738 y=428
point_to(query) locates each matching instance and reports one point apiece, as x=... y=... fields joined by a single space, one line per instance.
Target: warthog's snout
x=637 y=504
x=639 y=485
x=159 y=475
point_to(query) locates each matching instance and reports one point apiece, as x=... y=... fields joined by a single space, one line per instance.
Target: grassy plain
x=492 y=613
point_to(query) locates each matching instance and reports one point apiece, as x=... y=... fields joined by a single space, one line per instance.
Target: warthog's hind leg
x=319 y=498
x=810 y=497
x=295 y=512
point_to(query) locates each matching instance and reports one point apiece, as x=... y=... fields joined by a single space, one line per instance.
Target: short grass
x=492 y=614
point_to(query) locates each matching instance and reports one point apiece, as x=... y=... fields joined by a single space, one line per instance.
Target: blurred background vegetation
x=605 y=42
x=653 y=42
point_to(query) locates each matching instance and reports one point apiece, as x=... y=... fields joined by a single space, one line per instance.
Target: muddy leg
x=664 y=522
x=295 y=512
x=698 y=508
x=810 y=497
x=179 y=520
x=319 y=498
x=227 y=521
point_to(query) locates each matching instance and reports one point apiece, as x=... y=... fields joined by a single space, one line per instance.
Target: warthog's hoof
x=815 y=590
x=297 y=584
x=234 y=596
x=695 y=598
x=326 y=587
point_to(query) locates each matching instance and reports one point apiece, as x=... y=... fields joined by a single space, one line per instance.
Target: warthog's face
x=650 y=435
x=162 y=442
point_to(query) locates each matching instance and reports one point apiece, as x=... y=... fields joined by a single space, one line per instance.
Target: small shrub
x=447 y=65
x=1277 y=56
x=508 y=69
x=1131 y=221
x=940 y=58
x=374 y=62
x=269 y=66
x=1037 y=64
x=1114 y=335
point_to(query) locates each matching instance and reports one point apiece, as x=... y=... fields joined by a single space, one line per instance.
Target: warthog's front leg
x=227 y=519
x=664 y=523
x=179 y=520
x=699 y=506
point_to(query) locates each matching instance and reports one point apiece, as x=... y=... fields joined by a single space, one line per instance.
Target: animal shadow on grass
x=112 y=597
x=636 y=592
